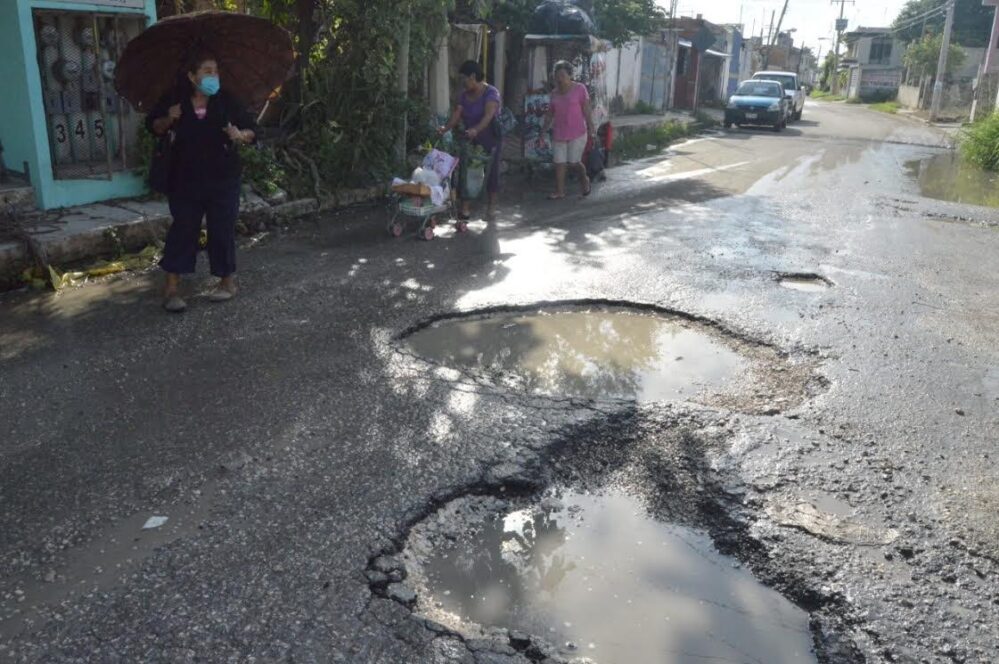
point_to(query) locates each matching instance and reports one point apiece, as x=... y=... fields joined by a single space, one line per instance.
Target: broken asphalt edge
x=96 y=231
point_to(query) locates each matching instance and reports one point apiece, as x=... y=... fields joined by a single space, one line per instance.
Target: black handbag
x=159 y=164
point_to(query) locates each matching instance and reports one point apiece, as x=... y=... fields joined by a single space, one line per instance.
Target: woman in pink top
x=572 y=124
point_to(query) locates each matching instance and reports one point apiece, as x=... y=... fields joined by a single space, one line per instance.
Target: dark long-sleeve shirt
x=202 y=152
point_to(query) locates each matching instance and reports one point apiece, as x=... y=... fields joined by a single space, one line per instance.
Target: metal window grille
x=93 y=133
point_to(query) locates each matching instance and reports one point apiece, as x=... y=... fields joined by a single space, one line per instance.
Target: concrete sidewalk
x=89 y=232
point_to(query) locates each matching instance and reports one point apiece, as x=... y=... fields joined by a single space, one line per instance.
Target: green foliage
x=828 y=66
x=344 y=113
x=878 y=96
x=890 y=107
x=622 y=20
x=972 y=22
x=826 y=96
x=262 y=169
x=979 y=143
x=924 y=55
x=647 y=142
x=643 y=108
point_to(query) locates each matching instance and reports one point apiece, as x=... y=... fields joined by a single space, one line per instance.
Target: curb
x=103 y=229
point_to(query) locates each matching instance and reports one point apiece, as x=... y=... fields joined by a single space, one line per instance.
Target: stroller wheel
x=462 y=226
x=427 y=233
x=396 y=229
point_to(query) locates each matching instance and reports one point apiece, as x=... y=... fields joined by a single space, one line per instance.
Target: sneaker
x=222 y=294
x=175 y=304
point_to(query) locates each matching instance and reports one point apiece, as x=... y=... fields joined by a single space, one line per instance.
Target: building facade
x=874 y=62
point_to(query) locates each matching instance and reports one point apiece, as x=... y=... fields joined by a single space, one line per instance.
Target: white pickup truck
x=792 y=89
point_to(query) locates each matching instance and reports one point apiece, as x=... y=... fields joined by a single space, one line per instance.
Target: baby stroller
x=430 y=203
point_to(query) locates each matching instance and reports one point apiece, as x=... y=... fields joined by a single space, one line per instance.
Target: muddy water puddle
x=947 y=177
x=590 y=354
x=597 y=577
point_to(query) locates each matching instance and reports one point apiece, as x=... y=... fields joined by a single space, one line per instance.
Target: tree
x=828 y=66
x=972 y=21
x=922 y=57
x=620 y=21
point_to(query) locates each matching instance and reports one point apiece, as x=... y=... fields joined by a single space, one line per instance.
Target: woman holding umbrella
x=227 y=60
x=204 y=180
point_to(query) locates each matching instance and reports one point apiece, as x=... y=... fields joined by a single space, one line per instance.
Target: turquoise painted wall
x=16 y=123
x=27 y=110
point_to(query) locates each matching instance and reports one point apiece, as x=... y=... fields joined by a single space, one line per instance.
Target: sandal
x=556 y=197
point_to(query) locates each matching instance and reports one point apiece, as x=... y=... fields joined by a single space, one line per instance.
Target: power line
x=914 y=20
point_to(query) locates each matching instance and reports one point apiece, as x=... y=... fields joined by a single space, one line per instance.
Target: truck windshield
x=786 y=81
x=758 y=89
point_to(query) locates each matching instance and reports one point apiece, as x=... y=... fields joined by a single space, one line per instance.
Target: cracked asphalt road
x=290 y=442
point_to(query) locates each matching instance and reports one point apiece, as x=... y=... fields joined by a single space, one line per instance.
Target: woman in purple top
x=477 y=111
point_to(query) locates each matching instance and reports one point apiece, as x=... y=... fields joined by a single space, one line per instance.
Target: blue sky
x=812 y=18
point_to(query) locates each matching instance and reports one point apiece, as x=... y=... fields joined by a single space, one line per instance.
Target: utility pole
x=938 y=85
x=775 y=35
x=839 y=37
x=780 y=22
x=770 y=40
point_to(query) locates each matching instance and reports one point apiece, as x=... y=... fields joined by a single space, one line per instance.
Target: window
x=881 y=51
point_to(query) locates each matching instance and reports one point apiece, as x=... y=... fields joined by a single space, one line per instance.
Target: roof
x=870 y=32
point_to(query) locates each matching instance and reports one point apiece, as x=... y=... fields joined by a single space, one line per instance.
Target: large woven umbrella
x=254 y=55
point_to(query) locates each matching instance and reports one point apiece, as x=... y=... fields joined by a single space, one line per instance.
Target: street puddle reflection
x=805 y=282
x=947 y=177
x=598 y=354
x=598 y=577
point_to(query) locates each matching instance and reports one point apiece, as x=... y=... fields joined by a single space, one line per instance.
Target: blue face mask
x=210 y=85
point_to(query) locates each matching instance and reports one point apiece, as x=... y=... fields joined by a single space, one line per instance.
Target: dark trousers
x=218 y=202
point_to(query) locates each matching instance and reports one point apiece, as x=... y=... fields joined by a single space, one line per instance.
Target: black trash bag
x=561 y=17
x=596 y=163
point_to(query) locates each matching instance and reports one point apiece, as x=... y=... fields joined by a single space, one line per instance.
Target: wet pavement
x=295 y=440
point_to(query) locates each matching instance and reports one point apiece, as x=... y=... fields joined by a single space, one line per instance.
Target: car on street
x=758 y=103
x=793 y=89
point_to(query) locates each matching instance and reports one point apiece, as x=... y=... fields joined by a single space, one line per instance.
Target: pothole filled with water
x=808 y=283
x=615 y=353
x=947 y=177
x=596 y=576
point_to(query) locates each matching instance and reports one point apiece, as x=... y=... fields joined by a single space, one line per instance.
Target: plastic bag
x=560 y=17
x=426 y=176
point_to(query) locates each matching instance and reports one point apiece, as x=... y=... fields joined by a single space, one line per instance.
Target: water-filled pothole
x=807 y=282
x=596 y=576
x=613 y=353
x=947 y=177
